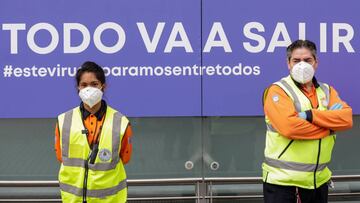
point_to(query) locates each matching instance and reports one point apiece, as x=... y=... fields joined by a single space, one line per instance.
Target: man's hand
x=336 y=106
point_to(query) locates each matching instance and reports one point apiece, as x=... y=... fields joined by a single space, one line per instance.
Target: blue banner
x=256 y=34
x=168 y=58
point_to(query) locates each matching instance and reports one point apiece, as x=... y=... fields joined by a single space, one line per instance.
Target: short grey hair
x=301 y=44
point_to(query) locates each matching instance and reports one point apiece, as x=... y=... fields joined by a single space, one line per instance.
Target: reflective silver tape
x=270 y=128
x=74 y=162
x=116 y=128
x=100 y=193
x=326 y=90
x=293 y=94
x=104 y=166
x=295 y=166
x=65 y=136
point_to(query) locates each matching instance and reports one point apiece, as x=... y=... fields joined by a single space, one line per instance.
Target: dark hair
x=91 y=67
x=301 y=44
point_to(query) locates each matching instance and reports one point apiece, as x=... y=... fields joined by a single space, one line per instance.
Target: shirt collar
x=314 y=81
x=99 y=114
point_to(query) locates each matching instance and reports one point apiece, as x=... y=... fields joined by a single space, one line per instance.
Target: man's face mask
x=90 y=95
x=302 y=72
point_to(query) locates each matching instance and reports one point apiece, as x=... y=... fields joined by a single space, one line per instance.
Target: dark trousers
x=287 y=194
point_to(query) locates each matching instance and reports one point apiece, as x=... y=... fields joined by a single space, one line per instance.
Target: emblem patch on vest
x=275 y=98
x=104 y=155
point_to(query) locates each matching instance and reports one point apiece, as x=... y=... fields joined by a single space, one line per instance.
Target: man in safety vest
x=92 y=143
x=302 y=116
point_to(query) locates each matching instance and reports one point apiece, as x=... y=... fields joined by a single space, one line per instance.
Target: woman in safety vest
x=92 y=142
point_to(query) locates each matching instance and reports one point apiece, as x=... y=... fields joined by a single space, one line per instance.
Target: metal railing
x=203 y=188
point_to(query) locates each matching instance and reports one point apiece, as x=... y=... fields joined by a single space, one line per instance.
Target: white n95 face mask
x=90 y=95
x=302 y=72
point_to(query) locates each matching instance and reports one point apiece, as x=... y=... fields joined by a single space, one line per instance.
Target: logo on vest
x=104 y=155
x=275 y=98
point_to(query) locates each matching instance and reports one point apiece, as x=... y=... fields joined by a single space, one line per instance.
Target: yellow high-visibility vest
x=301 y=163
x=105 y=179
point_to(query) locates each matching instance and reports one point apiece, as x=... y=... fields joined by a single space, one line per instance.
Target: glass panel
x=161 y=148
x=27 y=149
x=345 y=157
x=237 y=144
x=163 y=145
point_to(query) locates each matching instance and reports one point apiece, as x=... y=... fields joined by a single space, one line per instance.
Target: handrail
x=166 y=181
x=229 y=180
x=254 y=180
x=210 y=181
x=29 y=183
x=132 y=182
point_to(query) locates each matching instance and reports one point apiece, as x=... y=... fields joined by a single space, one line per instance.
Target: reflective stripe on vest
x=289 y=165
x=93 y=193
x=326 y=90
x=66 y=133
x=81 y=162
x=293 y=95
x=270 y=128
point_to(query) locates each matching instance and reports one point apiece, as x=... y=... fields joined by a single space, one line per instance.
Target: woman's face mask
x=302 y=72
x=90 y=95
